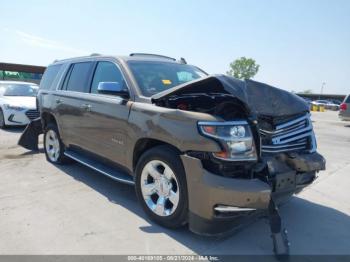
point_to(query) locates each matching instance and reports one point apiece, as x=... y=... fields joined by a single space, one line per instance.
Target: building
x=19 y=72
x=332 y=97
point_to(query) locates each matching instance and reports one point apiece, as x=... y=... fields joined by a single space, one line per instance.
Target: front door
x=106 y=119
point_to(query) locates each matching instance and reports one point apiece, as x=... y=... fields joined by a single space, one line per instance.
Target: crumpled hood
x=259 y=98
x=21 y=101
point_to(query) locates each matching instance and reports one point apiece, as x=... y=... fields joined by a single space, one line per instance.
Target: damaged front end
x=238 y=187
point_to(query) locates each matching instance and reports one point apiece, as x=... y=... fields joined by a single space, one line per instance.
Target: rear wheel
x=2 y=119
x=161 y=186
x=54 y=148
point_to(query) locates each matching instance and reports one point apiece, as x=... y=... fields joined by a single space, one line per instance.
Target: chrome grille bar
x=294 y=135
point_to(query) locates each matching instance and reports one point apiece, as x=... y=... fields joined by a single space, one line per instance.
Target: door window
x=106 y=72
x=78 y=79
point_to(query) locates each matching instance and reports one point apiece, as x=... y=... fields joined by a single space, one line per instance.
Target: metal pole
x=322 y=86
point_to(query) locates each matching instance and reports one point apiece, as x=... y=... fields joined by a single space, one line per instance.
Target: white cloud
x=38 y=41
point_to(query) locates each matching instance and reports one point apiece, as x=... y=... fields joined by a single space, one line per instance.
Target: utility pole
x=322 y=86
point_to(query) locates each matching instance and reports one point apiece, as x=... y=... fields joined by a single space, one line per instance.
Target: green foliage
x=243 y=68
x=15 y=75
x=307 y=91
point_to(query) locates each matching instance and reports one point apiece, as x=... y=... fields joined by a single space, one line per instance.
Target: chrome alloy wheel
x=52 y=145
x=160 y=188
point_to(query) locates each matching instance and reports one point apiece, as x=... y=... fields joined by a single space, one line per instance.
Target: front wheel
x=161 y=186
x=54 y=148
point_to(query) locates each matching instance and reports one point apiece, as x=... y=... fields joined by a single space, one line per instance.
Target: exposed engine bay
x=282 y=129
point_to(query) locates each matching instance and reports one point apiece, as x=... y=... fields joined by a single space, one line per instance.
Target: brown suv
x=344 y=109
x=204 y=150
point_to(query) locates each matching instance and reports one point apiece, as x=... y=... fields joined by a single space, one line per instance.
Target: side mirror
x=112 y=88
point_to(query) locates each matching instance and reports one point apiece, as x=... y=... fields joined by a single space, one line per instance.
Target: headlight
x=235 y=138
x=16 y=108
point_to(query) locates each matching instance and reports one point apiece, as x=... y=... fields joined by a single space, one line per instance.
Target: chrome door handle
x=59 y=101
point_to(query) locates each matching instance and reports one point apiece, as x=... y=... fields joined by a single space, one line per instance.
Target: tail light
x=343 y=107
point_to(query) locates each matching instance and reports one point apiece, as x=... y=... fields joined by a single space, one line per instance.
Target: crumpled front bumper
x=220 y=204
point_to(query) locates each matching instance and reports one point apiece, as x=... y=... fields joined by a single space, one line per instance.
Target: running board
x=101 y=168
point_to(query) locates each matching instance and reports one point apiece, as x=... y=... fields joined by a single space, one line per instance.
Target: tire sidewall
x=61 y=156
x=172 y=159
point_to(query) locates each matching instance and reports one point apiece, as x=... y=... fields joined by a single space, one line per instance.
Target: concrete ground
x=47 y=209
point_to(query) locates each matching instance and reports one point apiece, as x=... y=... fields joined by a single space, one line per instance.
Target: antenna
x=183 y=60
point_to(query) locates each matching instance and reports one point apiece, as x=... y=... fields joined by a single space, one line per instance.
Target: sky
x=299 y=44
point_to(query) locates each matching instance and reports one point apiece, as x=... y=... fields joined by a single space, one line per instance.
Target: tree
x=307 y=91
x=243 y=68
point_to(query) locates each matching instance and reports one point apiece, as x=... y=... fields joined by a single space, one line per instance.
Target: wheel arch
x=47 y=118
x=145 y=144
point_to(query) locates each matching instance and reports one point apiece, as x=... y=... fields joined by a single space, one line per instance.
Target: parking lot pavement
x=47 y=209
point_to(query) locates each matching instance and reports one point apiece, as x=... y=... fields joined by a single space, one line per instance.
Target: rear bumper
x=345 y=116
x=218 y=205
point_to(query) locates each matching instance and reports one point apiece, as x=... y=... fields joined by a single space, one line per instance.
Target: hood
x=259 y=98
x=21 y=101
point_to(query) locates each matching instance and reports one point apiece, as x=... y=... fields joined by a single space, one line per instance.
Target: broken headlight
x=234 y=137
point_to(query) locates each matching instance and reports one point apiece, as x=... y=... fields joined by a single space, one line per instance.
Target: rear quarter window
x=49 y=76
x=347 y=99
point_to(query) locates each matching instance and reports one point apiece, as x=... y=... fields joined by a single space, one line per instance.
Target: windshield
x=154 y=77
x=18 y=90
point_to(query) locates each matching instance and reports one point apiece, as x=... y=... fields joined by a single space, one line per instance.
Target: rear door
x=71 y=103
x=106 y=120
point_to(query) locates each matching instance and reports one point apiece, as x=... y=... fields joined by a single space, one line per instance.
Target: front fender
x=172 y=126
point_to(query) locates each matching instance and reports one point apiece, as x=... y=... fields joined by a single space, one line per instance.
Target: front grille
x=294 y=135
x=32 y=114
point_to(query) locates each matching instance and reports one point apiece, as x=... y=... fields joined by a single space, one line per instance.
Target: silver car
x=17 y=103
x=344 y=112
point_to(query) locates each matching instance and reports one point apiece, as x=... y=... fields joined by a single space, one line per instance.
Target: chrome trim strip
x=226 y=123
x=276 y=132
x=221 y=208
x=100 y=171
x=283 y=146
x=290 y=136
x=282 y=150
x=278 y=141
x=295 y=132
x=292 y=122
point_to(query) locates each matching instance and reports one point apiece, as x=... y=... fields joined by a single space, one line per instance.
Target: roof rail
x=154 y=55
x=95 y=54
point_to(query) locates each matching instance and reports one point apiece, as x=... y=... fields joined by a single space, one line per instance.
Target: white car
x=17 y=103
x=327 y=104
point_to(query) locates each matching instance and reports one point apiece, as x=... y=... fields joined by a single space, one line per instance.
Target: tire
x=2 y=120
x=53 y=146
x=167 y=202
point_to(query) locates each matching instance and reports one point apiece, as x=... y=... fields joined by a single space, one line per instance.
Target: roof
x=136 y=57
